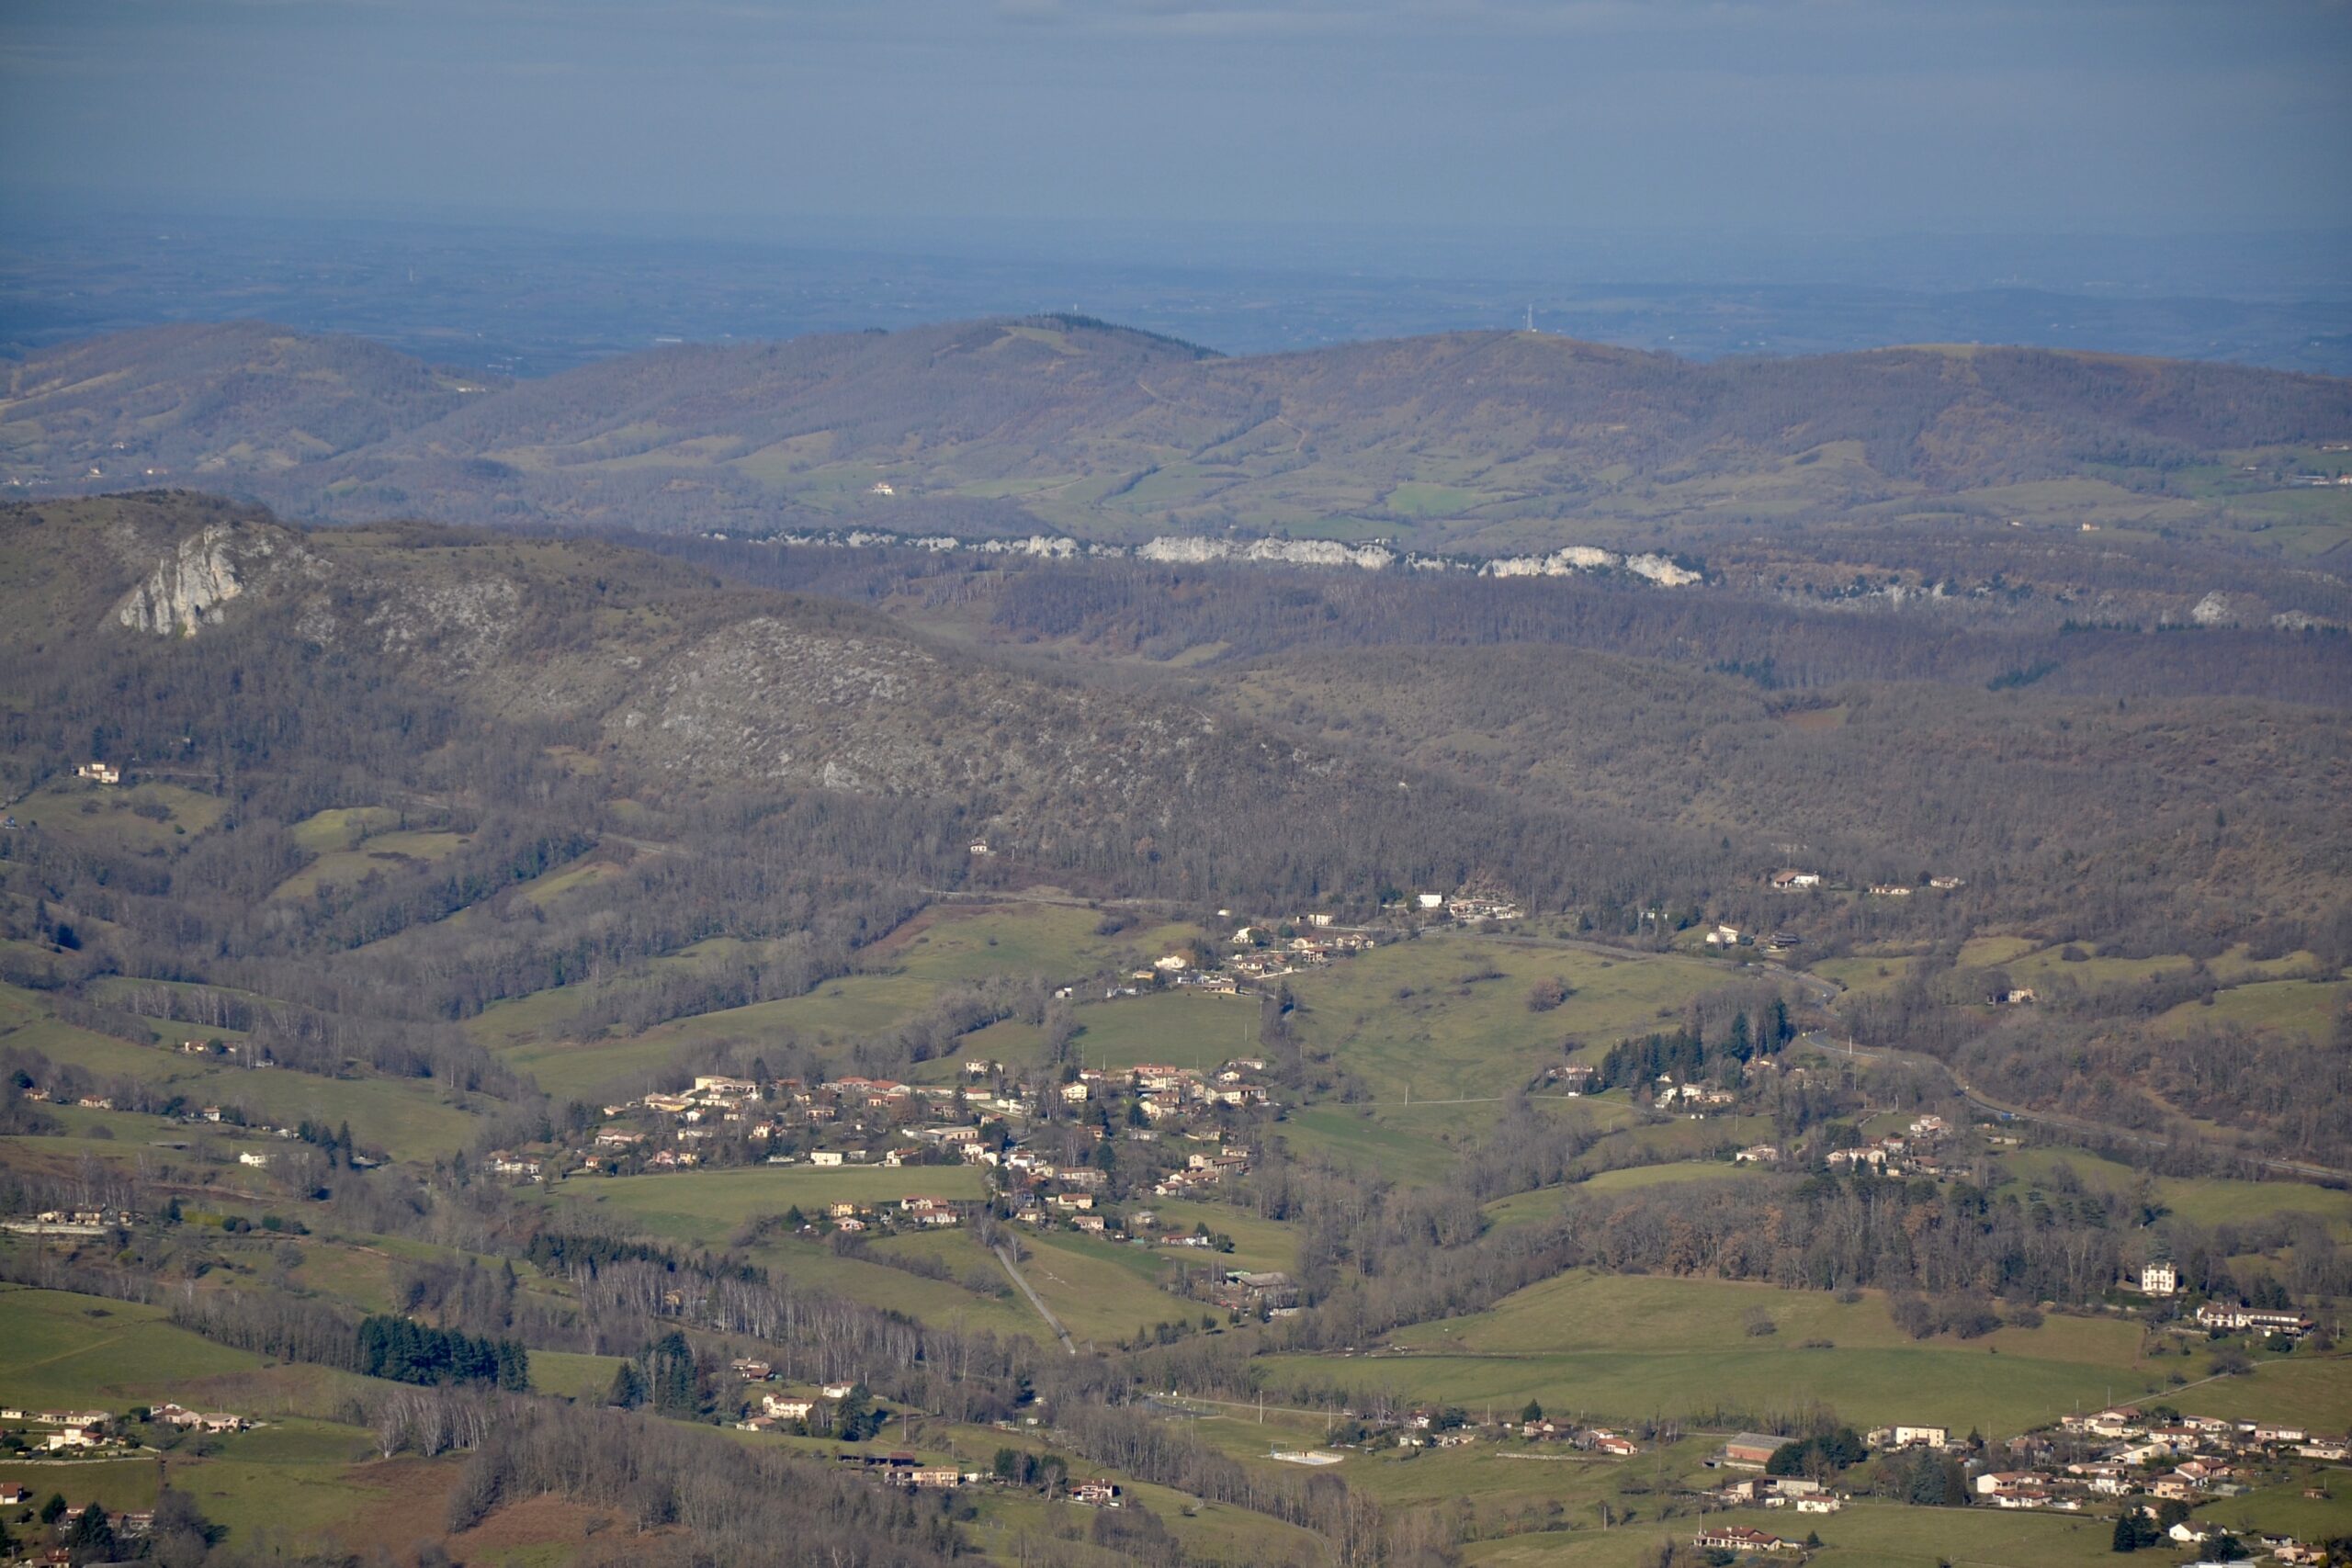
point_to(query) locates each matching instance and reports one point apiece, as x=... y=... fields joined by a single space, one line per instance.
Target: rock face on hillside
x=191 y=586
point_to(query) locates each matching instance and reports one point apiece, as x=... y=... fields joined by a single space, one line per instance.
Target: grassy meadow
x=706 y=1206
x=410 y=1118
x=1624 y=1347
x=1447 y=1017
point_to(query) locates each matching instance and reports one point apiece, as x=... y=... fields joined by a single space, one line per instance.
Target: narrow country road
x=1004 y=1256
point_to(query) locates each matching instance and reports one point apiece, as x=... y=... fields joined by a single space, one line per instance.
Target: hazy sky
x=1721 y=116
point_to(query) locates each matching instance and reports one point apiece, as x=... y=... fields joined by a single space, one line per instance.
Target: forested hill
x=1488 y=443
x=188 y=637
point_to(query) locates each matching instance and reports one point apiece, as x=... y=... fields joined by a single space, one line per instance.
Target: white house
x=2160 y=1278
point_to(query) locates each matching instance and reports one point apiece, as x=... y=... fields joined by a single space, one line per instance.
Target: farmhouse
x=712 y=1083
x=1794 y=881
x=1739 y=1537
x=202 y=1420
x=1750 y=1450
x=2214 y=1314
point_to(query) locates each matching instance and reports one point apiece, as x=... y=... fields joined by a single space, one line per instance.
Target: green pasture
x=571 y=1374
x=944 y=1304
x=1184 y=1028
x=2205 y=1200
x=2285 y=1508
x=1544 y=1203
x=1985 y=952
x=1653 y=1313
x=706 y=1206
x=377 y=853
x=1104 y=1291
x=406 y=1116
x=1626 y=1347
x=2313 y=1009
x=1356 y=1137
x=898 y=976
x=2312 y=1388
x=58 y=1350
x=143 y=817
x=1447 y=1017
x=342 y=828
x=1865 y=977
x=1998 y=1393
x=1256 y=1243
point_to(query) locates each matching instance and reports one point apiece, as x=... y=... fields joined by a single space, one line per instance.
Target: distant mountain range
x=1489 y=444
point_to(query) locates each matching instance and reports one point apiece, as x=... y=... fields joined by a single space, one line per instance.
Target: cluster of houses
x=1908 y=1152
x=1259 y=955
x=1471 y=906
x=69 y=1431
x=1041 y=1192
x=780 y=1409
x=1164 y=1093
x=1792 y=1492
x=70 y=1222
x=2101 y=1461
x=2222 y=1317
x=785 y=1411
x=893 y=1215
x=855 y=1120
x=77 y=1432
x=1201 y=1170
x=1790 y=879
x=1741 y=1539
x=2160 y=1278
x=2125 y=1452
x=1723 y=935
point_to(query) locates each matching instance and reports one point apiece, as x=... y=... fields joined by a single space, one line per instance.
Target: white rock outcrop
x=1191 y=550
x=2213 y=610
x=190 y=586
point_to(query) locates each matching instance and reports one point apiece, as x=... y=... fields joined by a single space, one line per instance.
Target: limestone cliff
x=191 y=585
